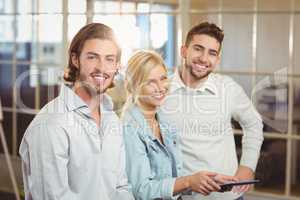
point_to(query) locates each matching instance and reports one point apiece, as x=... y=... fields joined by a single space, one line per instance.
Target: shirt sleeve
x=123 y=187
x=44 y=153
x=245 y=113
x=139 y=172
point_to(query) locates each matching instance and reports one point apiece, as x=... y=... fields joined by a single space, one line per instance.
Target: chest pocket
x=152 y=149
x=172 y=144
x=156 y=156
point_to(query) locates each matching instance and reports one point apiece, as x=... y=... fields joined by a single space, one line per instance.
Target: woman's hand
x=203 y=182
x=222 y=179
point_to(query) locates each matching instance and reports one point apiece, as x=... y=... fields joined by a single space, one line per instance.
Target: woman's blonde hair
x=139 y=67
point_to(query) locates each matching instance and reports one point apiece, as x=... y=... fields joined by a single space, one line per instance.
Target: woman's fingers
x=213 y=185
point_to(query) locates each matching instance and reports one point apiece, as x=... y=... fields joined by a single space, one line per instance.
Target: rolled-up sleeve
x=250 y=120
x=44 y=154
x=139 y=172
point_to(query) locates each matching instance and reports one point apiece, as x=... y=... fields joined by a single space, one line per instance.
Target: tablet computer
x=228 y=186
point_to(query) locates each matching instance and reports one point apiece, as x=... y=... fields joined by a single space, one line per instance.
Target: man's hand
x=243 y=173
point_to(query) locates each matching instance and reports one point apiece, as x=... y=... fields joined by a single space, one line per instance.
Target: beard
x=88 y=83
x=196 y=74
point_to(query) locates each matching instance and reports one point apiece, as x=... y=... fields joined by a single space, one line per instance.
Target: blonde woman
x=154 y=165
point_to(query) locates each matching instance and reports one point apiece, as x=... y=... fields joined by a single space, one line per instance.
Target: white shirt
x=203 y=117
x=67 y=157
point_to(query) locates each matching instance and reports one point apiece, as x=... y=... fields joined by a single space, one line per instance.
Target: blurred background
x=261 y=44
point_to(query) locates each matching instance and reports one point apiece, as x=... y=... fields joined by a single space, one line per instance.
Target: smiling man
x=73 y=149
x=202 y=104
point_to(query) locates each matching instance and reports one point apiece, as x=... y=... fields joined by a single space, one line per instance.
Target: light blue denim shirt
x=152 y=167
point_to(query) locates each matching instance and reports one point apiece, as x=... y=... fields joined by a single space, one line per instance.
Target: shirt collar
x=208 y=85
x=137 y=115
x=74 y=102
x=70 y=98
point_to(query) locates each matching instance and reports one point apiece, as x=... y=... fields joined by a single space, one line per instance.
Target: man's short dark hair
x=205 y=28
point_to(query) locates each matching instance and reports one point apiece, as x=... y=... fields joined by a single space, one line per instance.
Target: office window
x=272 y=27
x=8 y=127
x=295 y=169
x=237 y=45
x=257 y=53
x=271 y=174
x=148 y=26
x=296 y=67
x=6 y=84
x=296 y=107
x=271 y=100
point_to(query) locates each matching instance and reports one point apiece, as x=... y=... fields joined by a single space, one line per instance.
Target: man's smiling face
x=201 y=56
x=97 y=64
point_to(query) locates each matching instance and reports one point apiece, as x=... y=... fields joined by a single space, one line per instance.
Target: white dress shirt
x=66 y=156
x=203 y=117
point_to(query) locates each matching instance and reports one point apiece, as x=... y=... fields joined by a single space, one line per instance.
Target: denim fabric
x=151 y=166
